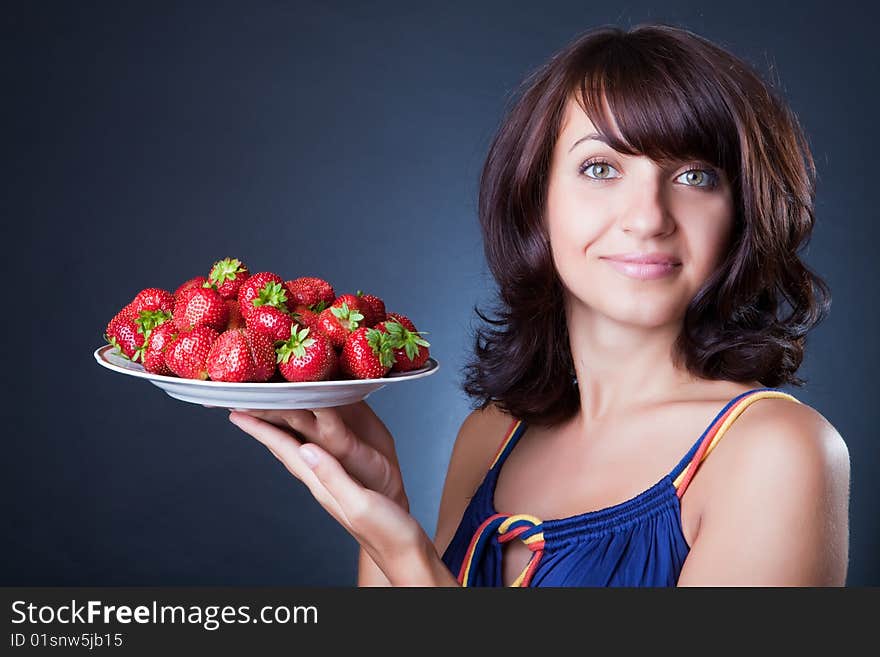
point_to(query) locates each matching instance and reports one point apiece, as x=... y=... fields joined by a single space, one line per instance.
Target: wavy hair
x=674 y=96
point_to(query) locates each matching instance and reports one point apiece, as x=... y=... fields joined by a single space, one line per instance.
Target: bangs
x=665 y=103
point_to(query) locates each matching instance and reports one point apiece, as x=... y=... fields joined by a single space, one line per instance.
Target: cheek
x=708 y=244
x=573 y=222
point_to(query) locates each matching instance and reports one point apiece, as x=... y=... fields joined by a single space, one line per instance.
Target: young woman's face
x=632 y=239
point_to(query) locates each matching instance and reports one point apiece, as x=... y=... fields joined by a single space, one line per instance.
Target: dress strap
x=514 y=430
x=687 y=467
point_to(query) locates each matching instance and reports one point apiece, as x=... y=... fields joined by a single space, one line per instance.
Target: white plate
x=315 y=394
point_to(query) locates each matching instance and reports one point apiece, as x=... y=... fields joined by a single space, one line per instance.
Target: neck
x=621 y=366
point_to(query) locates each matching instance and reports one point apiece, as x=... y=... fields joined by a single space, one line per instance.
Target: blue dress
x=638 y=542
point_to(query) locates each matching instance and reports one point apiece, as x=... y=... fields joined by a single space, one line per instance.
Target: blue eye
x=697 y=177
x=705 y=175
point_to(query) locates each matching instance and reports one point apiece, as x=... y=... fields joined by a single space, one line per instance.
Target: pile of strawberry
x=236 y=326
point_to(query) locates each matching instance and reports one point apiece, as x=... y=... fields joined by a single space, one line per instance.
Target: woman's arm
x=478 y=437
x=777 y=507
x=369 y=574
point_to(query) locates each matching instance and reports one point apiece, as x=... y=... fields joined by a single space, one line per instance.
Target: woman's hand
x=345 y=456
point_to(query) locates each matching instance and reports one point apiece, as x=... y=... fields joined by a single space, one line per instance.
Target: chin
x=643 y=313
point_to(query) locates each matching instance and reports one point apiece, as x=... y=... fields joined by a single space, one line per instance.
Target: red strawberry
x=410 y=349
x=241 y=356
x=305 y=316
x=153 y=298
x=262 y=289
x=263 y=349
x=235 y=318
x=227 y=276
x=372 y=307
x=271 y=321
x=200 y=306
x=309 y=291
x=146 y=322
x=339 y=322
x=352 y=300
x=403 y=319
x=186 y=355
x=122 y=332
x=154 y=353
x=198 y=281
x=367 y=354
x=305 y=357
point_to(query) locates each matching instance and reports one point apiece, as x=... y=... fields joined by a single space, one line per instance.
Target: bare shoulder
x=478 y=439
x=777 y=505
x=786 y=438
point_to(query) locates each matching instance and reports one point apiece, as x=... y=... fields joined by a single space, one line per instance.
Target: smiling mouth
x=644 y=270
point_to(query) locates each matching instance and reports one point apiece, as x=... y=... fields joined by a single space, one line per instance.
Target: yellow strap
x=741 y=406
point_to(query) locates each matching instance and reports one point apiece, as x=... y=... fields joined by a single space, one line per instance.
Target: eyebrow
x=593 y=136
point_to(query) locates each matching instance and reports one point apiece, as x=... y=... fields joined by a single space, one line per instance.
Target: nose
x=647 y=215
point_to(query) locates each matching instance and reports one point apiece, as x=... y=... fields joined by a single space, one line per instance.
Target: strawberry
x=262 y=289
x=263 y=349
x=146 y=322
x=367 y=354
x=410 y=349
x=122 y=332
x=372 y=307
x=309 y=291
x=153 y=298
x=235 y=318
x=200 y=306
x=198 y=281
x=154 y=353
x=227 y=276
x=339 y=322
x=270 y=320
x=307 y=358
x=240 y=355
x=352 y=300
x=305 y=316
x=403 y=319
x=186 y=354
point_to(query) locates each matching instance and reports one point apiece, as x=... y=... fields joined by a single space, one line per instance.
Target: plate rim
x=100 y=352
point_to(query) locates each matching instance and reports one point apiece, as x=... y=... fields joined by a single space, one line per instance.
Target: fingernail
x=309 y=456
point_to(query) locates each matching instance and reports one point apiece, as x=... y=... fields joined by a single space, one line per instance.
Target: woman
x=642 y=207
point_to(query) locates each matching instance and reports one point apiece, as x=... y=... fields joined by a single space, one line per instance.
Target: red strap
x=695 y=462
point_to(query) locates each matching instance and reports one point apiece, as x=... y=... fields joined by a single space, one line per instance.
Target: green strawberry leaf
x=340 y=312
x=225 y=270
x=118 y=347
x=381 y=346
x=272 y=294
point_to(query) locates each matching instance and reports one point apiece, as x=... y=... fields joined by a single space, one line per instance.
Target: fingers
x=379 y=524
x=361 y=460
x=300 y=420
x=351 y=497
x=370 y=427
x=286 y=449
x=326 y=428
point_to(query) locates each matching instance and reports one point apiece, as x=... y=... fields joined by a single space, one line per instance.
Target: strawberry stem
x=272 y=294
x=225 y=270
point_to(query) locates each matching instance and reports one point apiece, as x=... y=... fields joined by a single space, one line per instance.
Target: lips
x=645 y=258
x=644 y=266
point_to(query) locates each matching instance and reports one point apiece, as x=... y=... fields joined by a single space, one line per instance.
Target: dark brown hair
x=674 y=96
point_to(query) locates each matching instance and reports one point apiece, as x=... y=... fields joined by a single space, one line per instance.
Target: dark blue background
x=143 y=142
